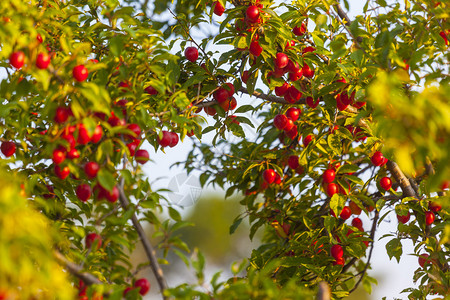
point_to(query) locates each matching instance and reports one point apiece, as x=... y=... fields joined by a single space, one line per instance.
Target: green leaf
x=235 y=224
x=174 y=214
x=106 y=179
x=335 y=143
x=337 y=203
x=394 y=249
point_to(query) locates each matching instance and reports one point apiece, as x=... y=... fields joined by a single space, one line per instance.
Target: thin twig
x=149 y=250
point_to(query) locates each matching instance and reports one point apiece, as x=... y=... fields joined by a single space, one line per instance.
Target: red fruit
x=210 y=110
x=269 y=176
x=69 y=138
x=165 y=140
x=113 y=195
x=229 y=89
x=429 y=217
x=83 y=135
x=310 y=102
x=423 y=259
x=340 y=102
x=444 y=36
x=293 y=132
x=42 y=61
x=308 y=49
x=221 y=95
x=115 y=121
x=329 y=176
x=39 y=38
x=252 y=13
x=289 y=125
x=294 y=76
x=98 y=133
x=142 y=156
x=332 y=189
x=386 y=183
x=356 y=222
x=281 y=90
x=80 y=73
x=293 y=113
x=17 y=59
x=293 y=67
x=245 y=76
x=280 y=121
x=281 y=60
x=61 y=115
x=8 y=148
x=136 y=130
x=299 y=30
x=404 y=219
x=151 y=90
x=433 y=206
x=359 y=104
x=356 y=210
x=255 y=48
x=218 y=8
x=277 y=179
x=91 y=169
x=83 y=192
x=307 y=140
x=377 y=158
x=133 y=146
x=293 y=162
x=143 y=285
x=93 y=239
x=445 y=185
x=173 y=140
x=191 y=54
x=307 y=71
x=62 y=173
x=337 y=252
x=345 y=213
x=294 y=94
x=73 y=153
x=58 y=156
x=340 y=261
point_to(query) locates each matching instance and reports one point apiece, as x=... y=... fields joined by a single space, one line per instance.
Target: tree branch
x=76 y=270
x=149 y=250
x=324 y=292
x=405 y=184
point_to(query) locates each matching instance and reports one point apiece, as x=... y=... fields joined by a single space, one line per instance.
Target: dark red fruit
x=386 y=183
x=331 y=189
x=281 y=60
x=307 y=71
x=307 y=140
x=17 y=59
x=58 y=156
x=91 y=169
x=345 y=213
x=294 y=94
x=61 y=115
x=293 y=162
x=142 y=156
x=221 y=95
x=8 y=148
x=404 y=219
x=245 y=76
x=356 y=222
x=433 y=206
x=93 y=239
x=429 y=217
x=143 y=285
x=255 y=48
x=293 y=132
x=269 y=176
x=98 y=133
x=173 y=140
x=280 y=121
x=165 y=140
x=423 y=259
x=299 y=30
x=252 y=13
x=191 y=54
x=113 y=195
x=42 y=61
x=310 y=102
x=281 y=90
x=62 y=172
x=84 y=192
x=337 y=252
x=218 y=8
x=80 y=73
x=135 y=129
x=151 y=90
x=230 y=89
x=293 y=113
x=329 y=176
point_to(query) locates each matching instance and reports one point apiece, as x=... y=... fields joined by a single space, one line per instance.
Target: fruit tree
x=354 y=118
